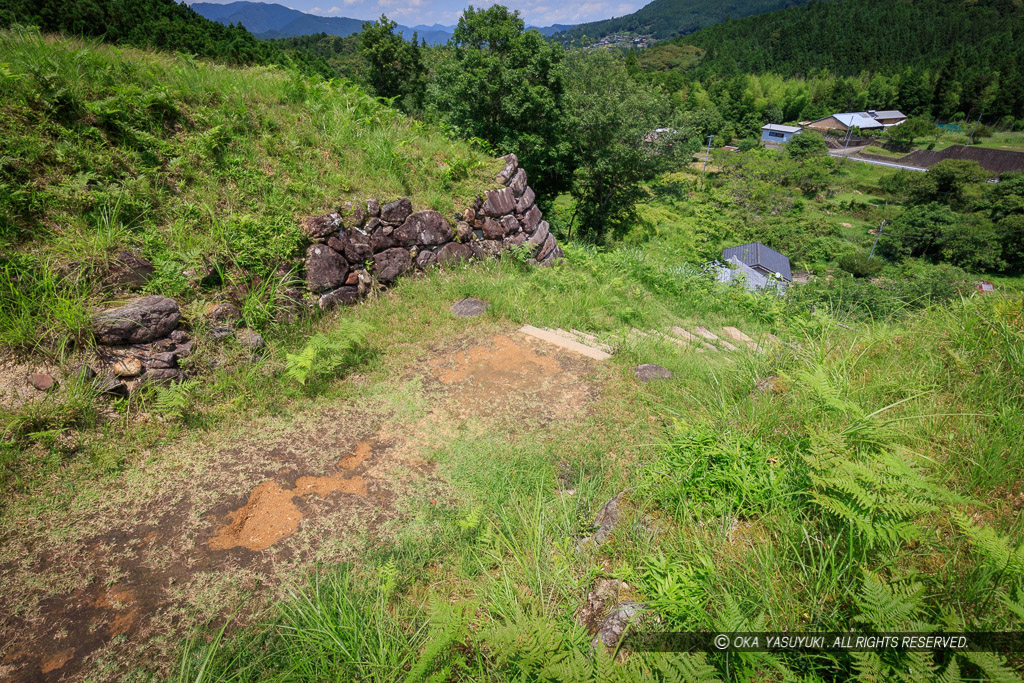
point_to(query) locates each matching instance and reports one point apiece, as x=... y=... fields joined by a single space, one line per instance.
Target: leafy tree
x=502 y=84
x=947 y=181
x=805 y=145
x=394 y=68
x=609 y=126
x=915 y=127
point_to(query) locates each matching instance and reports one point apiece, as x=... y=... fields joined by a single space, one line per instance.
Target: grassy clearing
x=882 y=470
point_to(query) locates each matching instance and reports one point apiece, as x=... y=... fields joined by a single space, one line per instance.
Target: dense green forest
x=667 y=18
x=160 y=24
x=927 y=57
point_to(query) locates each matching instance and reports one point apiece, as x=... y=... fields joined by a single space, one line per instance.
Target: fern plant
x=174 y=400
x=879 y=496
x=326 y=353
x=887 y=607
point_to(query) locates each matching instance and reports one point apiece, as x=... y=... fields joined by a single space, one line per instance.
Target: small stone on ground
x=42 y=381
x=469 y=308
x=649 y=372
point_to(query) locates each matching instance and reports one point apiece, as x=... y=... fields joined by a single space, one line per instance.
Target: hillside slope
x=160 y=24
x=190 y=165
x=667 y=18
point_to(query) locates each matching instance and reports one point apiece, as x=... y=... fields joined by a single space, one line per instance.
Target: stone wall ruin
x=357 y=246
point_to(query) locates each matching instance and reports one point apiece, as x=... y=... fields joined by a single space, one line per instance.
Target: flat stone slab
x=648 y=372
x=552 y=337
x=469 y=307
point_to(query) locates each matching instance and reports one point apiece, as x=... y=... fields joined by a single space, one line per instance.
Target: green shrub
x=859 y=265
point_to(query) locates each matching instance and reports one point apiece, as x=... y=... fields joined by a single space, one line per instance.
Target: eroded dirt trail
x=117 y=581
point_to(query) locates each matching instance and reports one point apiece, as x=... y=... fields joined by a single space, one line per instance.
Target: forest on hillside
x=928 y=57
x=159 y=24
x=667 y=18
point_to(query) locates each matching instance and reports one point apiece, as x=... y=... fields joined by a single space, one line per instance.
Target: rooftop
x=757 y=255
x=781 y=129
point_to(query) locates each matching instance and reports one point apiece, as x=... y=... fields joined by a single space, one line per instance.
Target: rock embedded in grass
x=614 y=625
x=649 y=372
x=41 y=381
x=469 y=307
x=341 y=295
x=141 y=321
x=127 y=367
x=129 y=270
x=250 y=339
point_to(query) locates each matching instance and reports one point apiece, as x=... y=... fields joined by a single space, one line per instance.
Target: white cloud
x=334 y=10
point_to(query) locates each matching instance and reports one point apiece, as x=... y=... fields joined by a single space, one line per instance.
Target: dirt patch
x=57 y=661
x=197 y=537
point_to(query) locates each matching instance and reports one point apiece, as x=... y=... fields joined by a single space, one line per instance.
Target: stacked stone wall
x=359 y=246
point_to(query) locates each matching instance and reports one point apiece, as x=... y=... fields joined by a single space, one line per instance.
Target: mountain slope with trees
x=159 y=24
x=667 y=18
x=948 y=57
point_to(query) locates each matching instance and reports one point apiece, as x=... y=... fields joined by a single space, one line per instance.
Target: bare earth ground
x=116 y=581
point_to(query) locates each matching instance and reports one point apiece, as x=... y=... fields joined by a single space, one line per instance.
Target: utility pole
x=876 y=240
x=849 y=134
x=706 y=156
x=970 y=139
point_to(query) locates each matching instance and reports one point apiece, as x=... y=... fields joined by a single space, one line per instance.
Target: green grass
x=877 y=151
x=192 y=164
x=876 y=486
x=800 y=509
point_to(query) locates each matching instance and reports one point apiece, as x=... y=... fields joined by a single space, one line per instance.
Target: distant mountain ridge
x=669 y=18
x=267 y=20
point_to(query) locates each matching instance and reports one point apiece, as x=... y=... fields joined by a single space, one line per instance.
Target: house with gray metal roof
x=761 y=258
x=778 y=134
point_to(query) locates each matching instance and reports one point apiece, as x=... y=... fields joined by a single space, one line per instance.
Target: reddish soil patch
x=271 y=513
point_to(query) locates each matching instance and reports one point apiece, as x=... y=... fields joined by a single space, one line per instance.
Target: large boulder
x=335 y=297
x=319 y=227
x=493 y=229
x=524 y=203
x=511 y=166
x=141 y=321
x=391 y=263
x=499 y=202
x=325 y=268
x=518 y=183
x=396 y=212
x=453 y=252
x=354 y=244
x=428 y=228
x=531 y=218
x=539 y=235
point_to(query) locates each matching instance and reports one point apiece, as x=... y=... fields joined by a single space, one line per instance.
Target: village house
x=760 y=267
x=863 y=120
x=775 y=133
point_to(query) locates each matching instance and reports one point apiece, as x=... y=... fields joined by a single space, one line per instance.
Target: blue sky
x=413 y=12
